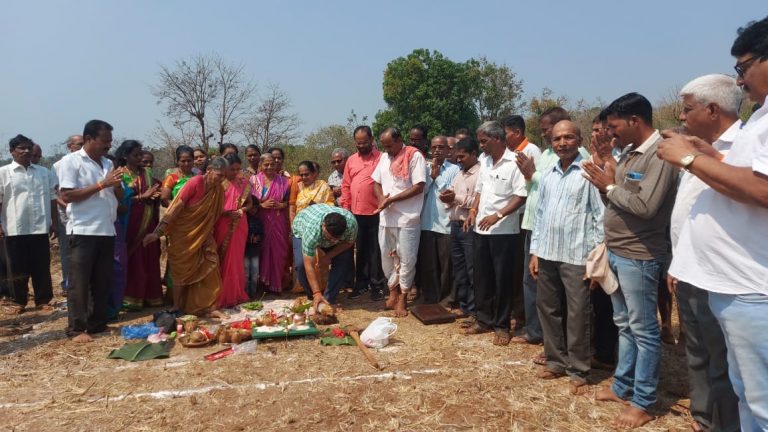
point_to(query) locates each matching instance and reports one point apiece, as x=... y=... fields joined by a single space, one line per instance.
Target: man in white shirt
x=27 y=197
x=524 y=303
x=74 y=143
x=399 y=181
x=87 y=186
x=499 y=193
x=338 y=161
x=722 y=244
x=711 y=112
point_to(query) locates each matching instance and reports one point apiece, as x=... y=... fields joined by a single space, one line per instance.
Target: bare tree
x=273 y=122
x=236 y=96
x=206 y=91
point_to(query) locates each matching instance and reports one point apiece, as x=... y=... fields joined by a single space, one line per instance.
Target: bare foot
x=606 y=394
x=394 y=293
x=578 y=386
x=218 y=315
x=632 y=417
x=401 y=308
x=82 y=338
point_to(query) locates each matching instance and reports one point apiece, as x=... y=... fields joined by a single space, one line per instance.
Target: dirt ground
x=433 y=378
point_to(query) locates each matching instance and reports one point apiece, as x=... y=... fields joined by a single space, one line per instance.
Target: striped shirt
x=569 y=216
x=308 y=226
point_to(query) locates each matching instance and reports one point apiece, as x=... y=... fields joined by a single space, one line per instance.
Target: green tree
x=318 y=146
x=498 y=92
x=536 y=106
x=428 y=88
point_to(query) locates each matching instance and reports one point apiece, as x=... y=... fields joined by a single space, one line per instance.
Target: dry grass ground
x=433 y=378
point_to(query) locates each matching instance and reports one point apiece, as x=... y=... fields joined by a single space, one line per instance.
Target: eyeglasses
x=336 y=162
x=742 y=67
x=305 y=175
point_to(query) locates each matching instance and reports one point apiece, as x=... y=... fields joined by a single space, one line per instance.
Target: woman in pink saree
x=271 y=190
x=231 y=233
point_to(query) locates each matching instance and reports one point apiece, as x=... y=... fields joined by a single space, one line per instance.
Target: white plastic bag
x=377 y=334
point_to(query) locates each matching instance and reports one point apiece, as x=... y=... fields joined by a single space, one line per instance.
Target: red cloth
x=400 y=167
x=143 y=271
x=357 y=186
x=232 y=265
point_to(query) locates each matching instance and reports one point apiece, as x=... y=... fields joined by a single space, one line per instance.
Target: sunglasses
x=742 y=67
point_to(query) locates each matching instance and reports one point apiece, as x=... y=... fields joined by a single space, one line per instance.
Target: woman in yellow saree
x=192 y=251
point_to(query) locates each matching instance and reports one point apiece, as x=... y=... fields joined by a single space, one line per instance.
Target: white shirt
x=26 y=195
x=496 y=185
x=95 y=215
x=403 y=213
x=722 y=246
x=690 y=186
x=62 y=210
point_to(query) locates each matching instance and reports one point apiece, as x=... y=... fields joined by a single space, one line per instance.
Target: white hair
x=717 y=89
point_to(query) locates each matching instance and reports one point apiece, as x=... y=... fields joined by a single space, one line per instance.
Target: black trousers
x=367 y=254
x=29 y=256
x=5 y=284
x=433 y=268
x=605 y=333
x=494 y=278
x=90 y=279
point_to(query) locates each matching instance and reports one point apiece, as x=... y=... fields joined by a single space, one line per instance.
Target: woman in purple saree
x=271 y=190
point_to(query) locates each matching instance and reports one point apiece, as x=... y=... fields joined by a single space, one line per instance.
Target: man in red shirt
x=358 y=197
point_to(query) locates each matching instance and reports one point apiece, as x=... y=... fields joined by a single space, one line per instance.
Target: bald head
x=74 y=143
x=566 y=140
x=439 y=149
x=37 y=154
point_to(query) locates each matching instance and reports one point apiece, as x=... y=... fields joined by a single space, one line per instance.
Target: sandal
x=523 y=339
x=547 y=374
x=540 y=359
x=477 y=328
x=469 y=322
x=501 y=338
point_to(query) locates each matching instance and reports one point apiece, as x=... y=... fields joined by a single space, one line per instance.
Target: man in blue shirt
x=434 y=271
x=568 y=224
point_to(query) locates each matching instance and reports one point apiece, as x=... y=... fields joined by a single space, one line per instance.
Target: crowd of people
x=573 y=244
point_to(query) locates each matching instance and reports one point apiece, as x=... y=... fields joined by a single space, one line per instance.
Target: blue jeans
x=634 y=312
x=341 y=267
x=532 y=323
x=743 y=320
x=463 y=259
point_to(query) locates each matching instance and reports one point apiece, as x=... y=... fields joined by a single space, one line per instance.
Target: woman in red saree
x=231 y=234
x=143 y=270
x=271 y=189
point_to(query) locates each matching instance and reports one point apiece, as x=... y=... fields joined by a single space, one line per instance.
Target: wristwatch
x=610 y=187
x=688 y=159
x=499 y=215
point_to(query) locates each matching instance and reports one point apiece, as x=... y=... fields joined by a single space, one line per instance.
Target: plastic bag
x=377 y=334
x=139 y=331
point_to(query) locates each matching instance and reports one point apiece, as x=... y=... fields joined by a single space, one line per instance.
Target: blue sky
x=67 y=62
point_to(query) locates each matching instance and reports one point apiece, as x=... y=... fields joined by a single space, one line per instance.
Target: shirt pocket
x=501 y=185
x=632 y=181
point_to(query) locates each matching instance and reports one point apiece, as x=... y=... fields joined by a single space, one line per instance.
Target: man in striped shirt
x=568 y=224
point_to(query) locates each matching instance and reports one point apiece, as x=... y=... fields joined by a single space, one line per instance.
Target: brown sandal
x=501 y=338
x=547 y=374
x=477 y=328
x=540 y=359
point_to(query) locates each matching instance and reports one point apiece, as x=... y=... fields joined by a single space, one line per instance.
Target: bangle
x=473 y=210
x=98 y=184
x=315 y=293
